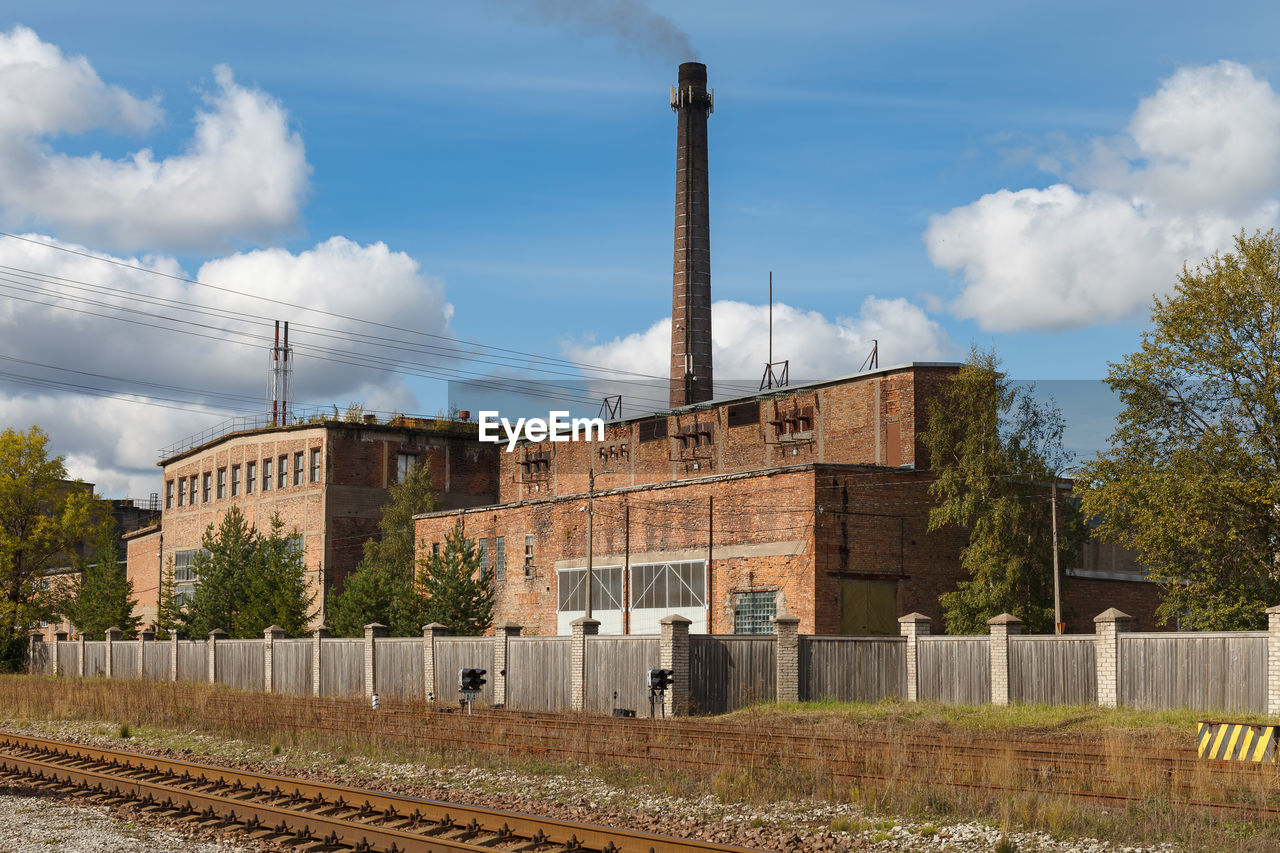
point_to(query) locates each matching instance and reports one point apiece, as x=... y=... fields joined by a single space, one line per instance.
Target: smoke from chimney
x=691 y=278
x=637 y=28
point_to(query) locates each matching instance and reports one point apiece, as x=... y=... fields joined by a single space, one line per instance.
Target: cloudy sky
x=431 y=191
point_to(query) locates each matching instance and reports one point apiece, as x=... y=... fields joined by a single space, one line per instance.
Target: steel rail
x=358 y=818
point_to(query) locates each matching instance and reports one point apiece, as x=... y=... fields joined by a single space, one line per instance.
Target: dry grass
x=932 y=789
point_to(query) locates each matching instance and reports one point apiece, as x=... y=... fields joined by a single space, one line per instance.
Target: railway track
x=308 y=815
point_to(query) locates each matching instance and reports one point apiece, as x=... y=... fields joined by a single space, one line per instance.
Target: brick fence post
x=113 y=636
x=502 y=635
x=675 y=657
x=786 y=629
x=33 y=637
x=1003 y=627
x=81 y=663
x=371 y=632
x=582 y=628
x=269 y=637
x=211 y=669
x=173 y=655
x=146 y=635
x=913 y=626
x=317 y=645
x=429 y=634
x=1109 y=625
x=1273 y=661
x=59 y=638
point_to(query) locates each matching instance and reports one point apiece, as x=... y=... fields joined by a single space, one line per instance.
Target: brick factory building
x=327 y=479
x=810 y=500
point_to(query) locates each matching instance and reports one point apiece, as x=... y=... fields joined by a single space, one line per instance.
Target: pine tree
x=381 y=587
x=169 y=615
x=453 y=589
x=278 y=592
x=101 y=597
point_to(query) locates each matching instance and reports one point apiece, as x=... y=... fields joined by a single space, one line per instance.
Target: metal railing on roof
x=246 y=423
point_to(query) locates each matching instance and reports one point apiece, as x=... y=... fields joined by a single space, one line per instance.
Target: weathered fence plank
x=1204 y=671
x=341 y=667
x=538 y=673
x=617 y=672
x=1053 y=670
x=239 y=664
x=955 y=669
x=291 y=667
x=455 y=653
x=727 y=673
x=398 y=668
x=851 y=669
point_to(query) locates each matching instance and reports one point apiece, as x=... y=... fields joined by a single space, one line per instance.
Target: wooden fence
x=1210 y=672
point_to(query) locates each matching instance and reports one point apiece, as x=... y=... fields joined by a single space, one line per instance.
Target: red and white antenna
x=280 y=378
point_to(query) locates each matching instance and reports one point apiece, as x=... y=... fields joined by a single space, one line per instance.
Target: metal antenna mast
x=280 y=377
x=774 y=378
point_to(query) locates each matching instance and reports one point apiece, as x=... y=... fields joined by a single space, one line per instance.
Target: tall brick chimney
x=691 y=282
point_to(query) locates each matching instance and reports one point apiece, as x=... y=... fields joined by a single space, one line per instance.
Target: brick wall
x=1084 y=598
x=870 y=419
x=336 y=513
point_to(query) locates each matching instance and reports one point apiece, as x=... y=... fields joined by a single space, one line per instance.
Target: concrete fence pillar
x=33 y=637
x=913 y=626
x=173 y=655
x=502 y=634
x=145 y=635
x=211 y=668
x=59 y=638
x=81 y=663
x=1002 y=627
x=429 y=634
x=786 y=629
x=675 y=657
x=582 y=628
x=113 y=636
x=1273 y=661
x=371 y=633
x=269 y=637
x=1109 y=625
x=317 y=645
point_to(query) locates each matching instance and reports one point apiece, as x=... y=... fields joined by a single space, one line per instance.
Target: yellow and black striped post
x=1237 y=742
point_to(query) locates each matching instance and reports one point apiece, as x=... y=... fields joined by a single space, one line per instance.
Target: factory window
x=753 y=612
x=250 y=477
x=192 y=490
x=528 y=554
x=500 y=558
x=606 y=589
x=282 y=476
x=297 y=468
x=405 y=463
x=743 y=414
x=222 y=484
x=653 y=429
x=482 y=549
x=668 y=585
x=315 y=464
x=266 y=475
x=435 y=550
x=235 y=480
x=168 y=494
x=182 y=490
x=296 y=544
x=184 y=575
x=207 y=486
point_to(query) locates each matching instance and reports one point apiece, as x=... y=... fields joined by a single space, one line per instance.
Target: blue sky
x=516 y=159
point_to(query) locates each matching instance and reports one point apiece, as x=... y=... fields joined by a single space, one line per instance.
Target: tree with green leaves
x=994 y=451
x=454 y=589
x=43 y=517
x=1191 y=479
x=168 y=605
x=247 y=581
x=381 y=588
x=101 y=595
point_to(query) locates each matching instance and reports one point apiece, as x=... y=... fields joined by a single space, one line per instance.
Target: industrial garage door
x=868 y=608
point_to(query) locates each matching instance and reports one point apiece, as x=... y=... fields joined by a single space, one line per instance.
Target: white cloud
x=114 y=442
x=1200 y=161
x=817 y=347
x=242 y=176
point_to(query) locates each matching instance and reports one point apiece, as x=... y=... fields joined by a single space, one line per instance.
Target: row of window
x=493 y=556
x=200 y=488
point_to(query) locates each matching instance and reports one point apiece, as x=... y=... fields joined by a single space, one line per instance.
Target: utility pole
x=591 y=531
